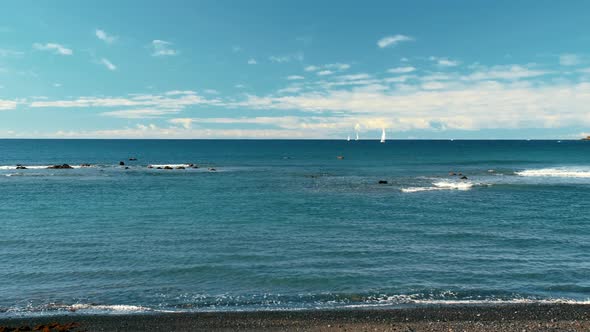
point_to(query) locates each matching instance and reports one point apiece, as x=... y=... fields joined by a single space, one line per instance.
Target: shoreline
x=503 y=317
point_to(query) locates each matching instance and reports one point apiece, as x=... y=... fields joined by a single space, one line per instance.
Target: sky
x=295 y=69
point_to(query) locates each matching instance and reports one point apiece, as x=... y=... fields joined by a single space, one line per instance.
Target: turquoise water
x=288 y=225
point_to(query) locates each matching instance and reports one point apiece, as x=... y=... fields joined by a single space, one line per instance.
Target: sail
x=357 y=136
x=383 y=135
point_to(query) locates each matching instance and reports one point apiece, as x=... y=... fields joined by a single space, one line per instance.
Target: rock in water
x=20 y=167
x=121 y=163
x=168 y=167
x=463 y=177
x=382 y=182
x=64 y=166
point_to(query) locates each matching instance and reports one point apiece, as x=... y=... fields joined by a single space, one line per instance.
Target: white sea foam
x=170 y=165
x=453 y=185
x=441 y=185
x=12 y=167
x=110 y=308
x=556 y=172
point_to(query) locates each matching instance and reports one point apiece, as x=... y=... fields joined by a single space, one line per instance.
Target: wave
x=556 y=172
x=441 y=185
x=277 y=304
x=36 y=167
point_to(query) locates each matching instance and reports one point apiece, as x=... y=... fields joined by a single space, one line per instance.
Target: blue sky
x=294 y=69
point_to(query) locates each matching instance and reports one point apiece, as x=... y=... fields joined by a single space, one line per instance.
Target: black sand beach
x=521 y=317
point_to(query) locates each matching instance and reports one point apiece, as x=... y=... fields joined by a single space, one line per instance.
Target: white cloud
x=102 y=35
x=311 y=68
x=393 y=40
x=512 y=72
x=7 y=105
x=328 y=68
x=53 y=47
x=287 y=58
x=325 y=72
x=9 y=53
x=108 y=64
x=295 y=77
x=252 y=61
x=140 y=113
x=569 y=59
x=185 y=122
x=444 y=62
x=158 y=102
x=211 y=91
x=162 y=48
x=401 y=70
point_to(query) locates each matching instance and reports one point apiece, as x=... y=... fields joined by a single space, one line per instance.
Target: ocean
x=288 y=225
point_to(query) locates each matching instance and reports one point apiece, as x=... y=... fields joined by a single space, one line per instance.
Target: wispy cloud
x=108 y=64
x=105 y=37
x=9 y=53
x=390 y=41
x=295 y=77
x=162 y=48
x=325 y=72
x=569 y=59
x=53 y=47
x=252 y=61
x=401 y=70
x=444 y=62
x=7 y=104
x=287 y=58
x=140 y=113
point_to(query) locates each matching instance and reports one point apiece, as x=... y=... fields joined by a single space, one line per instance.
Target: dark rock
x=64 y=166
x=121 y=163
x=85 y=165
x=132 y=159
x=340 y=157
x=168 y=167
x=452 y=173
x=211 y=169
x=180 y=167
x=463 y=177
x=150 y=166
x=158 y=167
x=382 y=182
x=126 y=167
x=20 y=167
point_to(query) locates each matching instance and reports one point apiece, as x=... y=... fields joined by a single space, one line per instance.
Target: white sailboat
x=357 y=136
x=383 y=135
x=348 y=139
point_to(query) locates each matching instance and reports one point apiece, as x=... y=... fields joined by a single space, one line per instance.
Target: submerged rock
x=180 y=167
x=211 y=169
x=340 y=157
x=452 y=173
x=121 y=163
x=132 y=159
x=167 y=167
x=20 y=167
x=85 y=165
x=382 y=182
x=463 y=177
x=64 y=166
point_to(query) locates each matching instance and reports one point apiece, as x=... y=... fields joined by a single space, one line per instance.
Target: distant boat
x=357 y=136
x=383 y=135
x=348 y=139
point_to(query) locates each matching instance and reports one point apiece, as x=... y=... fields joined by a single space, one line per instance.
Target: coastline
x=505 y=317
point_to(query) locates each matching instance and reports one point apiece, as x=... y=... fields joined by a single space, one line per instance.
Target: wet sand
x=497 y=318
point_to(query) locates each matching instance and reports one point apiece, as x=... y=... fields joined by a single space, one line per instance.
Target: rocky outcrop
x=64 y=166
x=20 y=167
x=121 y=163
x=382 y=182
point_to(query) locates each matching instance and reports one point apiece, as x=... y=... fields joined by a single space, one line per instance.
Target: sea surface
x=286 y=224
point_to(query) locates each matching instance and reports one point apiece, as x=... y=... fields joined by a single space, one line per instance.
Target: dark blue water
x=288 y=225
